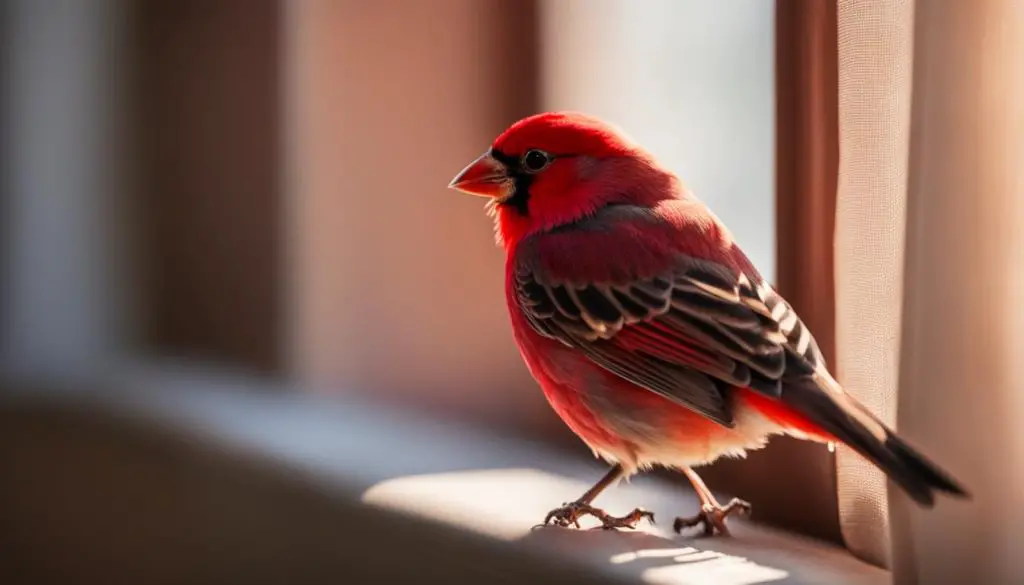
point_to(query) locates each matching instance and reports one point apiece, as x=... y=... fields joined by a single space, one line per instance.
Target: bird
x=649 y=331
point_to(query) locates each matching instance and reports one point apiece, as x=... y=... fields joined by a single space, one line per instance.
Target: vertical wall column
x=66 y=299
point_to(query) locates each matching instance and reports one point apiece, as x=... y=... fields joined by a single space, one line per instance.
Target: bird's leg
x=570 y=512
x=712 y=514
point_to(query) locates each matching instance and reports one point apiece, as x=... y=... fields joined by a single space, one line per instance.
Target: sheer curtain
x=875 y=63
x=929 y=247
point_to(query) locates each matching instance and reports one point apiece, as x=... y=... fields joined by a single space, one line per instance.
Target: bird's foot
x=712 y=516
x=569 y=515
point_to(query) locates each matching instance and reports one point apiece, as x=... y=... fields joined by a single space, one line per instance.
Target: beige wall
x=395 y=284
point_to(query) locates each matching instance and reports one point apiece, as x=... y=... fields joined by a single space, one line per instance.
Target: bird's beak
x=484 y=177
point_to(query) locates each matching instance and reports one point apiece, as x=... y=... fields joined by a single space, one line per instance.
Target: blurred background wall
x=262 y=184
x=691 y=81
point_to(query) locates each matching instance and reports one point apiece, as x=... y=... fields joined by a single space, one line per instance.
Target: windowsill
x=450 y=489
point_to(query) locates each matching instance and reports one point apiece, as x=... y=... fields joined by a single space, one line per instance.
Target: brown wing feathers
x=687 y=334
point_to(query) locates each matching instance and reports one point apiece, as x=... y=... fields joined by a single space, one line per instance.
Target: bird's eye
x=535 y=160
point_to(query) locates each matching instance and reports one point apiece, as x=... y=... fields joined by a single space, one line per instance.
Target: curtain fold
x=875 y=65
x=961 y=385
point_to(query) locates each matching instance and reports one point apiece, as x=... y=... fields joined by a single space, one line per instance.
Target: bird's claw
x=712 y=517
x=570 y=513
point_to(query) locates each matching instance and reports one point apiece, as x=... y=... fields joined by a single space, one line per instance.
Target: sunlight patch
x=691 y=566
x=502 y=503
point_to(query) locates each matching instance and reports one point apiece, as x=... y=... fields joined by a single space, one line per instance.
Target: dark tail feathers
x=850 y=422
x=918 y=476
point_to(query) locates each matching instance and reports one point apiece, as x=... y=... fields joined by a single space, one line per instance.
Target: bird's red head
x=556 y=168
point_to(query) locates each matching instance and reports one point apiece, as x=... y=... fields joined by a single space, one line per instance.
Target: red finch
x=650 y=332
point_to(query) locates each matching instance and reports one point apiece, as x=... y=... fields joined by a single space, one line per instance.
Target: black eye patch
x=509 y=161
x=521 y=170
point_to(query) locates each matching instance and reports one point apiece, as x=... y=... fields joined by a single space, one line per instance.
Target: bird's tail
x=826 y=405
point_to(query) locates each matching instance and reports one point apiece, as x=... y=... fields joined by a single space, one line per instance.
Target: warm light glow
x=725 y=570
x=651 y=553
x=690 y=565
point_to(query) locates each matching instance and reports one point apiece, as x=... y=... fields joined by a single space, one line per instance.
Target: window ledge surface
x=458 y=501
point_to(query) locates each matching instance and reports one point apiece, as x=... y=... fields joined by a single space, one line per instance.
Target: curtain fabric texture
x=875 y=69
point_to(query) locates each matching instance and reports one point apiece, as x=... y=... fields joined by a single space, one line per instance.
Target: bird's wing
x=634 y=291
